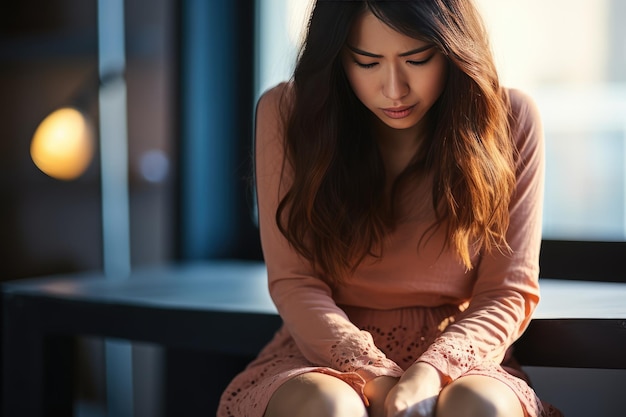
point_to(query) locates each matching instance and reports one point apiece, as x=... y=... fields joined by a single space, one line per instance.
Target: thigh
x=478 y=396
x=315 y=394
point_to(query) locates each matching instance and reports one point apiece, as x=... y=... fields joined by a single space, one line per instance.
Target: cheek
x=443 y=76
x=360 y=86
x=436 y=82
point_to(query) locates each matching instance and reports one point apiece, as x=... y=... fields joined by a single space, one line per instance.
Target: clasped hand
x=413 y=395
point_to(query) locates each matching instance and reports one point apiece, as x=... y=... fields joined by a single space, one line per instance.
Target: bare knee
x=478 y=396
x=315 y=395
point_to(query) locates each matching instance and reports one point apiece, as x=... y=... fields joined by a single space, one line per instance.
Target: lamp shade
x=63 y=144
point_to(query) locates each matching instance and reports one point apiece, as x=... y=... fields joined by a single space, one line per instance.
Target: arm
x=506 y=291
x=321 y=330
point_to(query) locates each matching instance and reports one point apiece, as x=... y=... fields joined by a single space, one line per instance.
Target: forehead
x=373 y=35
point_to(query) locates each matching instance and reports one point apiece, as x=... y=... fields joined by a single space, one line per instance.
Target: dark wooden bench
x=224 y=307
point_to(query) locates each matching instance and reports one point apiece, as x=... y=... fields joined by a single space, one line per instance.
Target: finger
x=423 y=408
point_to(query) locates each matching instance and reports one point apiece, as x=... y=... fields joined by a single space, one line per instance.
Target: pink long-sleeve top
x=500 y=292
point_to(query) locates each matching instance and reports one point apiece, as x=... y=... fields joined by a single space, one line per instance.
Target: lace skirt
x=402 y=334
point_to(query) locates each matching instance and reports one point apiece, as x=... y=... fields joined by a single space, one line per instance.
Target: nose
x=394 y=84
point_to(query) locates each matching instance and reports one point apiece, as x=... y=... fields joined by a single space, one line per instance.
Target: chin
x=402 y=124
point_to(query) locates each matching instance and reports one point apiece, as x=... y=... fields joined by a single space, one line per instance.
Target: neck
x=397 y=147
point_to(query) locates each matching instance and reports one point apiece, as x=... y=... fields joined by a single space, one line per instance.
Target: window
x=570 y=56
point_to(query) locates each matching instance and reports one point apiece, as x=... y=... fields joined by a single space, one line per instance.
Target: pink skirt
x=402 y=334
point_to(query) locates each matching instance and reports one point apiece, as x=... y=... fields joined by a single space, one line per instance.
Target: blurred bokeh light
x=63 y=144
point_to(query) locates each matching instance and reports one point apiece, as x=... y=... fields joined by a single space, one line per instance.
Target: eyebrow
x=403 y=54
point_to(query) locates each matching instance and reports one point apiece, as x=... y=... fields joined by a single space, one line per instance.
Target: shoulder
x=524 y=114
x=271 y=114
x=270 y=121
x=524 y=120
x=275 y=100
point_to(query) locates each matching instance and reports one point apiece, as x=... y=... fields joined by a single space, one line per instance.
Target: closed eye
x=421 y=62
x=362 y=65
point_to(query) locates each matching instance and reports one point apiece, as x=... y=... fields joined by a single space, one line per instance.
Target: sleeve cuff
x=452 y=358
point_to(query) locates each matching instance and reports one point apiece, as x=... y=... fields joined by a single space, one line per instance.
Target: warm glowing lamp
x=63 y=144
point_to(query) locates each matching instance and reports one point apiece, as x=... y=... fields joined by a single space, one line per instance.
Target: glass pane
x=281 y=24
x=570 y=55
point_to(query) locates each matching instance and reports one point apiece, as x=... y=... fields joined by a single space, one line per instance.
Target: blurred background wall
x=48 y=57
x=189 y=99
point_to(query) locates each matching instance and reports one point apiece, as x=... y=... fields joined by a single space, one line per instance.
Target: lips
x=398 y=112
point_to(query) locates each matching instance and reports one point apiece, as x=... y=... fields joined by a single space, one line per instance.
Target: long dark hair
x=334 y=213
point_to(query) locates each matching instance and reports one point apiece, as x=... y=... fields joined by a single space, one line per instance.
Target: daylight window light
x=63 y=144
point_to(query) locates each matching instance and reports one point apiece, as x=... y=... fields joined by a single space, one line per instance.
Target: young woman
x=400 y=194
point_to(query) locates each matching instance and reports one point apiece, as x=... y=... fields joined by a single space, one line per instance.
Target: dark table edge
x=558 y=342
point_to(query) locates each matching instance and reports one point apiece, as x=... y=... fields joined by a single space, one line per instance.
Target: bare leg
x=478 y=396
x=315 y=395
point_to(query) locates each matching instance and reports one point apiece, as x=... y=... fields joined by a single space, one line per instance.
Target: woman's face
x=398 y=78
